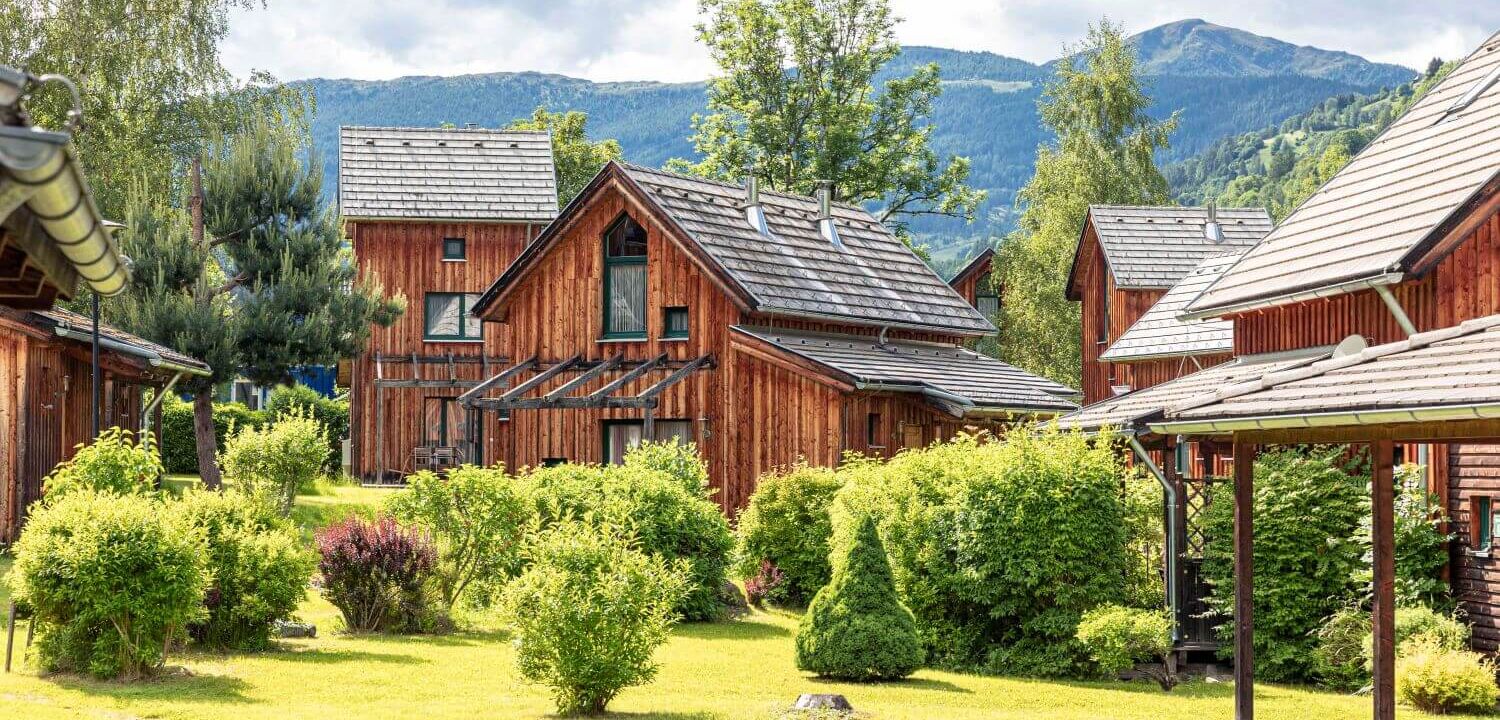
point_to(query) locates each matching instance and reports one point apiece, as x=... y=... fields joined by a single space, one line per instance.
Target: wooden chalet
x=51 y=238
x=435 y=215
x=977 y=285
x=1384 y=288
x=1127 y=258
x=766 y=328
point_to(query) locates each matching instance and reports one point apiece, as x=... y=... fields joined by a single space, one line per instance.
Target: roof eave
x=1292 y=297
x=1339 y=418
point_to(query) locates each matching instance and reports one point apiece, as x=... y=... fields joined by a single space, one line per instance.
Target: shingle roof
x=1456 y=366
x=1388 y=205
x=470 y=174
x=1154 y=247
x=982 y=380
x=1125 y=412
x=1158 y=333
x=874 y=278
x=59 y=317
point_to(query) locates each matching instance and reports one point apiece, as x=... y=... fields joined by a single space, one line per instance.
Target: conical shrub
x=856 y=627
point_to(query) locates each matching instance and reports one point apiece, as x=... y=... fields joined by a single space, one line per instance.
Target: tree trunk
x=203 y=432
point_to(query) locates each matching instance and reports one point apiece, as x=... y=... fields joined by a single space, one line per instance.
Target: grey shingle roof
x=1453 y=366
x=873 y=279
x=1126 y=412
x=1158 y=333
x=983 y=380
x=1154 y=247
x=1388 y=205
x=472 y=174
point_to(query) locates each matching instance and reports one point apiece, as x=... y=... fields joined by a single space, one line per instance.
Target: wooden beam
x=567 y=403
x=501 y=377
x=621 y=381
x=584 y=377
x=1382 y=537
x=675 y=377
x=541 y=377
x=1244 y=580
x=426 y=383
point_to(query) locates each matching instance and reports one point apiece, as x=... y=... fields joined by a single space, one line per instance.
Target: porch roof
x=1159 y=333
x=960 y=379
x=1441 y=375
x=1128 y=412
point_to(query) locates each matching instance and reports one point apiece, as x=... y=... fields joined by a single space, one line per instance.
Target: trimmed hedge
x=179 y=450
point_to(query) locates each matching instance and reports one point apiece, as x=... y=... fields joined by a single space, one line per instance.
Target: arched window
x=625 y=280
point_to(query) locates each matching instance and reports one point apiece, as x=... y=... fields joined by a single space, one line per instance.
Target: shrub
x=856 y=627
x=678 y=461
x=1442 y=681
x=1308 y=505
x=786 y=524
x=767 y=585
x=112 y=463
x=667 y=520
x=589 y=613
x=1421 y=546
x=277 y=461
x=179 y=449
x=377 y=574
x=478 y=518
x=332 y=414
x=1117 y=638
x=1342 y=651
x=998 y=547
x=1419 y=624
x=257 y=566
x=111 y=578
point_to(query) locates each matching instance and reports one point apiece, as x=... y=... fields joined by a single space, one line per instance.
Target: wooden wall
x=1149 y=373
x=1327 y=321
x=1474 y=470
x=1113 y=317
x=407 y=259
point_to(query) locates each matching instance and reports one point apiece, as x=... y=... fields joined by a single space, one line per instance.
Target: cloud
x=654 y=39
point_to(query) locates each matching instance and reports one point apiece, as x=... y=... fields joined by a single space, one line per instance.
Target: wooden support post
x=648 y=426
x=1382 y=538
x=379 y=434
x=10 y=635
x=1244 y=580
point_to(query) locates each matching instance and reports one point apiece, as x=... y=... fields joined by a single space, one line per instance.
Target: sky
x=612 y=40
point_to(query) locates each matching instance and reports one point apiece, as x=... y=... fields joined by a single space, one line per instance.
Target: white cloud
x=654 y=39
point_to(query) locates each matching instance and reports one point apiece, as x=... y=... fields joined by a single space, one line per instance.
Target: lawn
x=730 y=670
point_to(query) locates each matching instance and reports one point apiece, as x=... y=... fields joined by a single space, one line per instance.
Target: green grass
x=740 y=670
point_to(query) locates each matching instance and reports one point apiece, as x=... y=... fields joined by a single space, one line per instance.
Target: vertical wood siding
x=1474 y=470
x=1149 y=373
x=1115 y=316
x=407 y=259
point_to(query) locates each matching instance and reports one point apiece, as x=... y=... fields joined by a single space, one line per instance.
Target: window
x=987 y=305
x=874 y=433
x=622 y=435
x=625 y=280
x=446 y=316
x=675 y=324
x=1483 y=512
x=454 y=248
x=445 y=424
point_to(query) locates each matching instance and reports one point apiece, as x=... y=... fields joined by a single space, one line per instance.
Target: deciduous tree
x=576 y=158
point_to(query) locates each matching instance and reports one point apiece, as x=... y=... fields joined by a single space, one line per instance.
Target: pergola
x=1436 y=387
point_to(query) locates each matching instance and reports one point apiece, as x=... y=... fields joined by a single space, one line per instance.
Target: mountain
x=1223 y=81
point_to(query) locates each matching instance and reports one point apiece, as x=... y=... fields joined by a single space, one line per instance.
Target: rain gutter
x=1351 y=418
x=1344 y=288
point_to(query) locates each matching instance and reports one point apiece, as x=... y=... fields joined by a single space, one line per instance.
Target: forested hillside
x=1224 y=81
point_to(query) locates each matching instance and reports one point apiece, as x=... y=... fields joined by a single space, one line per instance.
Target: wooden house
x=51 y=240
x=1126 y=259
x=977 y=285
x=765 y=328
x=436 y=215
x=1368 y=316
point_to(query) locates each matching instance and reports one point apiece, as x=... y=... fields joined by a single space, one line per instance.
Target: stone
x=285 y=629
x=733 y=601
x=818 y=701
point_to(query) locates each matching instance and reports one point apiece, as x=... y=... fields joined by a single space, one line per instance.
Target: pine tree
x=856 y=627
x=261 y=285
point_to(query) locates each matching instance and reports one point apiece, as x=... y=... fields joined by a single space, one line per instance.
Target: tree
x=151 y=83
x=796 y=101
x=576 y=158
x=264 y=286
x=1104 y=154
x=856 y=627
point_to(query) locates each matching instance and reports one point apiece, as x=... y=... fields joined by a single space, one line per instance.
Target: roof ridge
x=1247 y=208
x=418 y=128
x=739 y=188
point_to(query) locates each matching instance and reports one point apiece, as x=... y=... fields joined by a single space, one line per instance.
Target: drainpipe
x=1394 y=305
x=1171 y=491
x=160 y=395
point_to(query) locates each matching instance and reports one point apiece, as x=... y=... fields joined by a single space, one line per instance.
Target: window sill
x=1485 y=553
x=622 y=340
x=674 y=339
x=453 y=341
x=455 y=260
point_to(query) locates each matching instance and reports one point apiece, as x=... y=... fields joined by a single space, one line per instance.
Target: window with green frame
x=455 y=248
x=625 y=280
x=447 y=316
x=675 y=322
x=1483 y=514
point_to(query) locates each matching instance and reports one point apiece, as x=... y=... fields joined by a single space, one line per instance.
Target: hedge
x=179 y=450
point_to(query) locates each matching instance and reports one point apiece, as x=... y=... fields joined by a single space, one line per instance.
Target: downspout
x=1394 y=305
x=160 y=395
x=1171 y=491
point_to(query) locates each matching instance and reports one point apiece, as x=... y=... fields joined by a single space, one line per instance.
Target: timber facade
x=767 y=329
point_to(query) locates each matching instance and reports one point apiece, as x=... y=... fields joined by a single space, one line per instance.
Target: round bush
x=332 y=414
x=678 y=461
x=377 y=574
x=258 y=568
x=1442 y=681
x=179 y=449
x=589 y=613
x=856 y=627
x=110 y=578
x=1343 y=649
x=786 y=524
x=478 y=518
x=279 y=460
x=1117 y=638
x=112 y=463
